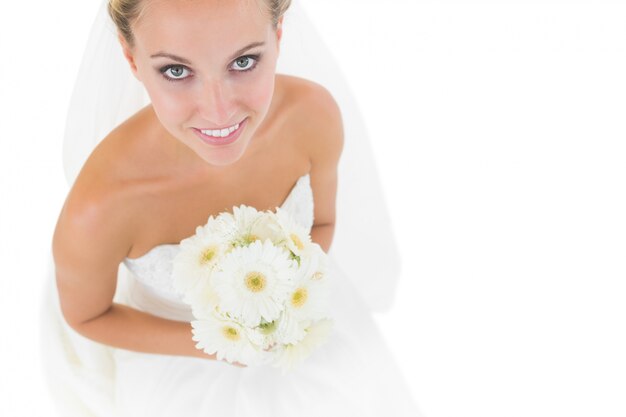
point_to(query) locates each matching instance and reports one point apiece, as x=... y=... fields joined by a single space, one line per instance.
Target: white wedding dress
x=352 y=374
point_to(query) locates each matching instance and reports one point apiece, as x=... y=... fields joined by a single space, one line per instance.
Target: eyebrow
x=186 y=61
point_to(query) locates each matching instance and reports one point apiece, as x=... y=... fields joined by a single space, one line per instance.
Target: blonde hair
x=125 y=12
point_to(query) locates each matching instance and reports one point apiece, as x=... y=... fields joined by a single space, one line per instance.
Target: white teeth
x=221 y=133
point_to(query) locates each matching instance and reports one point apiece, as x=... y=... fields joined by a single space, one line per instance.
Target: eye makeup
x=181 y=68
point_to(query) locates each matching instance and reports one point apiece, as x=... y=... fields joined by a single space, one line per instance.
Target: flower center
x=299 y=297
x=245 y=240
x=231 y=333
x=296 y=240
x=255 y=281
x=207 y=255
x=248 y=239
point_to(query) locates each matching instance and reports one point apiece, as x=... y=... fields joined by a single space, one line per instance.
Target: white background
x=499 y=132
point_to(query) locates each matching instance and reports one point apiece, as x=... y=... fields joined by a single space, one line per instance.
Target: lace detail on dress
x=153 y=271
x=299 y=202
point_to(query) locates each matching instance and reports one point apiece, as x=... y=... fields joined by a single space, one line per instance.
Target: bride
x=222 y=128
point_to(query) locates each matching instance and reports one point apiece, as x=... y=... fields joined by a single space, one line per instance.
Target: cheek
x=171 y=107
x=258 y=94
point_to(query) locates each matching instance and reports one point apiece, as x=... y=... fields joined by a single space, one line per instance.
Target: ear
x=128 y=55
x=279 y=28
x=279 y=32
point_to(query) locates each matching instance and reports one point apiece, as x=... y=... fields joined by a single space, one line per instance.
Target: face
x=209 y=69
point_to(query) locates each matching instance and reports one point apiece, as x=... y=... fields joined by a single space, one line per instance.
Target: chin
x=221 y=160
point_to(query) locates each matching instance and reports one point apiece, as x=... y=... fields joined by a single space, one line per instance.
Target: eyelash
x=255 y=58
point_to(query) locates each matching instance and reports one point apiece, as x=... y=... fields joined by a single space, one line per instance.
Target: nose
x=215 y=103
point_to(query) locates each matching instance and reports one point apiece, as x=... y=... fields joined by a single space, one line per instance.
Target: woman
x=222 y=129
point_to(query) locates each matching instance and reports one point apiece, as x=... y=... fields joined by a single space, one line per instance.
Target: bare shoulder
x=95 y=227
x=91 y=217
x=106 y=180
x=317 y=117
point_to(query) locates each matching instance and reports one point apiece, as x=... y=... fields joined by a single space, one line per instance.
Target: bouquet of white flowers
x=257 y=288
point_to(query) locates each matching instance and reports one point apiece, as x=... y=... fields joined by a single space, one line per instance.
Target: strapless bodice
x=150 y=286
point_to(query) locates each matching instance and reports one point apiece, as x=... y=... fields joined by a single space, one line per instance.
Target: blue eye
x=245 y=63
x=176 y=72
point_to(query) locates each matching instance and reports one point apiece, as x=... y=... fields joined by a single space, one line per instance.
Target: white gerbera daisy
x=226 y=338
x=253 y=282
x=221 y=227
x=202 y=298
x=319 y=261
x=196 y=259
x=296 y=237
x=247 y=225
x=289 y=355
x=289 y=329
x=309 y=299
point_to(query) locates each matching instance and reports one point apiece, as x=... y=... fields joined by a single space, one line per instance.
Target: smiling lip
x=212 y=140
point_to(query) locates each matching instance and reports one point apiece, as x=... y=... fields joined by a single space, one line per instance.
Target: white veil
x=106 y=93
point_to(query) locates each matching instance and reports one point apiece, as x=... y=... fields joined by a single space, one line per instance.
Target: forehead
x=181 y=23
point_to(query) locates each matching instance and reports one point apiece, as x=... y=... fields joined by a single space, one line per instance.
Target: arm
x=91 y=238
x=322 y=234
x=324 y=140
